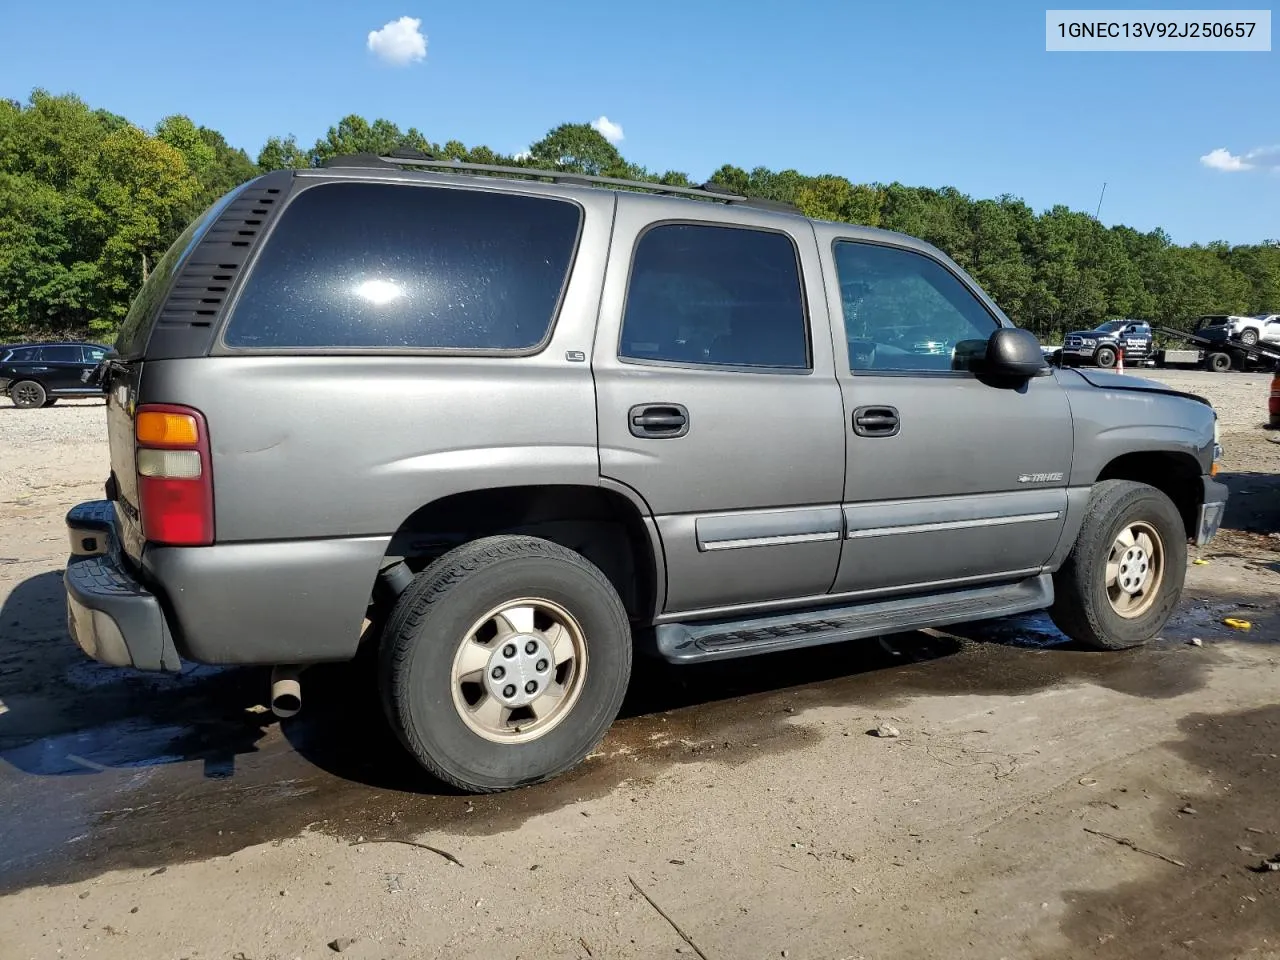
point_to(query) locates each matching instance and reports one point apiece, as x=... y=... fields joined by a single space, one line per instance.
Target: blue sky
x=927 y=93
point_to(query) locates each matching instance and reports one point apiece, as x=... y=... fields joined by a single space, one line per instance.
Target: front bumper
x=1212 y=508
x=111 y=616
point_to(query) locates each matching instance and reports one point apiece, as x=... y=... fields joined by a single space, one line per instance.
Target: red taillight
x=175 y=479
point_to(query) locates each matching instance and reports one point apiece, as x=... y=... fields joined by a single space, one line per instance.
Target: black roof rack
x=415 y=158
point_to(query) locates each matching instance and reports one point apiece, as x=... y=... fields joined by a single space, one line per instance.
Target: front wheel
x=504 y=663
x=1124 y=576
x=1105 y=357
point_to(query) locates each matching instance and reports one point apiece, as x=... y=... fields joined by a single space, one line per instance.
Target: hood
x=1119 y=381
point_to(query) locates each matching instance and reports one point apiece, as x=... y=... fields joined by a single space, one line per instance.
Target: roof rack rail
x=714 y=192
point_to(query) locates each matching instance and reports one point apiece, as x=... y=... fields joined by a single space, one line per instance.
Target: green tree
x=282 y=153
x=577 y=147
x=87 y=202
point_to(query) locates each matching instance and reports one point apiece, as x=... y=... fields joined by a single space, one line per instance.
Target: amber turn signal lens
x=166 y=429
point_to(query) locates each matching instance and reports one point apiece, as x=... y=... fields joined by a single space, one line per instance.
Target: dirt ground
x=1041 y=802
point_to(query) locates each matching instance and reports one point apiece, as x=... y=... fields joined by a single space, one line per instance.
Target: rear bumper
x=1212 y=508
x=111 y=616
x=268 y=602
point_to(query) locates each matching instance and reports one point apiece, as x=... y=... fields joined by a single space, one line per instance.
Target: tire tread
x=428 y=588
x=1074 y=610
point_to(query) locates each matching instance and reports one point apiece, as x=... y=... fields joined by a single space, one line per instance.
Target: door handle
x=876 y=422
x=658 y=421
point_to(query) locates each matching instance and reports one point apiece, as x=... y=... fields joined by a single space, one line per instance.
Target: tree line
x=89 y=201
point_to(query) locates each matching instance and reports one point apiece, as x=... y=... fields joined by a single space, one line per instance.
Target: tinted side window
x=905 y=311
x=368 y=265
x=25 y=355
x=94 y=354
x=713 y=294
x=61 y=355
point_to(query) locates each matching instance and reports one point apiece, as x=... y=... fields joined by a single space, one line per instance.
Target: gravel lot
x=1041 y=802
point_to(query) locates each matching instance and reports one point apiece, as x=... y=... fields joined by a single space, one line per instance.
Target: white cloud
x=399 y=42
x=1259 y=158
x=523 y=155
x=607 y=128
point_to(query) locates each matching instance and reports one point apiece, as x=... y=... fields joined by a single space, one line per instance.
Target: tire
x=50 y=402
x=1105 y=357
x=455 y=601
x=1249 y=338
x=1090 y=611
x=27 y=395
x=1219 y=362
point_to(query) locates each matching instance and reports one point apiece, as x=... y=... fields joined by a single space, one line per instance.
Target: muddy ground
x=148 y=816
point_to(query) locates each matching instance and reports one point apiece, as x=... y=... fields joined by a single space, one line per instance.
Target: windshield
x=1111 y=326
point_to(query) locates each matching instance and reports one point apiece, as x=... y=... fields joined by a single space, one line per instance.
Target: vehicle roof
x=664 y=206
x=52 y=343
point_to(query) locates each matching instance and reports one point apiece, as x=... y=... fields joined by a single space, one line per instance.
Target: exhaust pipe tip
x=286 y=692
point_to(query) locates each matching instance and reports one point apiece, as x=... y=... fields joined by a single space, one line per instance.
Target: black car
x=1102 y=345
x=39 y=374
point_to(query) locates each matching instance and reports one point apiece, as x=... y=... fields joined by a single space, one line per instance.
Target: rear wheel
x=1219 y=362
x=504 y=662
x=1124 y=576
x=1105 y=357
x=27 y=394
x=1249 y=337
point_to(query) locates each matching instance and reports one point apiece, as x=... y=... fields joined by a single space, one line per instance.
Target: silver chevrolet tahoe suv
x=500 y=428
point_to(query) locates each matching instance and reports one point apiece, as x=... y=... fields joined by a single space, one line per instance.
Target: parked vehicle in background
x=1215 y=343
x=660 y=415
x=1102 y=345
x=1210 y=322
x=1264 y=328
x=40 y=374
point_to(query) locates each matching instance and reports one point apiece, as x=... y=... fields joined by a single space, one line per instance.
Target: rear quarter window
x=385 y=266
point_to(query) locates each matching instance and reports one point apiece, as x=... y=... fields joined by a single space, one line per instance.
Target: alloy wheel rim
x=519 y=670
x=27 y=393
x=1134 y=570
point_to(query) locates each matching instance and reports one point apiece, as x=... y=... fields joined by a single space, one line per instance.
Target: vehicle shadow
x=63 y=714
x=1254 y=503
x=344 y=730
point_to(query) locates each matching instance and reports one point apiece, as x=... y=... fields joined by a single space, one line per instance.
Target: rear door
x=717 y=401
x=62 y=364
x=950 y=480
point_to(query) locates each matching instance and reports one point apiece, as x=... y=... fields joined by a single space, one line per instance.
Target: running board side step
x=726 y=639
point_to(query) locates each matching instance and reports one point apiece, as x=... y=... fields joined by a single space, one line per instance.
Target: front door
x=717 y=402
x=950 y=480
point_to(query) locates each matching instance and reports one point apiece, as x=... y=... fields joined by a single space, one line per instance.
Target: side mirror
x=1014 y=354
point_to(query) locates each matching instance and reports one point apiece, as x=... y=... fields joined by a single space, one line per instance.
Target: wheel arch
x=1175 y=473
x=610 y=526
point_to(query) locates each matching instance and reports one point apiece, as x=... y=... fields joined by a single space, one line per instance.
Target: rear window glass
x=369 y=265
